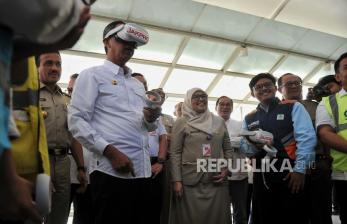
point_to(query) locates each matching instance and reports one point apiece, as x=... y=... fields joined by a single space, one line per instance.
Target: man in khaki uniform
x=54 y=105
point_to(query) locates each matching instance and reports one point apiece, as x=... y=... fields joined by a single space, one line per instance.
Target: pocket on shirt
x=45 y=106
x=108 y=89
x=139 y=96
x=138 y=91
x=109 y=94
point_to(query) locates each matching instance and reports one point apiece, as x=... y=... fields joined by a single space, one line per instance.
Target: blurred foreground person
x=19 y=40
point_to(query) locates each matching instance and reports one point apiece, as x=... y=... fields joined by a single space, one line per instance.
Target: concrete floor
x=336 y=219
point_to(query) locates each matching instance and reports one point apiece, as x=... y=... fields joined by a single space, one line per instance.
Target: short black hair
x=109 y=27
x=338 y=61
x=327 y=79
x=256 y=78
x=37 y=57
x=221 y=97
x=279 y=81
x=74 y=76
x=136 y=74
x=159 y=90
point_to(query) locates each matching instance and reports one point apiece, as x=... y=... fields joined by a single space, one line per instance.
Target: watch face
x=161 y=161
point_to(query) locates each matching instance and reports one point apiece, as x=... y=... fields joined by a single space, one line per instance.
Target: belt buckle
x=56 y=151
x=59 y=152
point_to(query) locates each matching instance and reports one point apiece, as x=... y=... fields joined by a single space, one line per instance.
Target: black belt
x=58 y=151
x=322 y=156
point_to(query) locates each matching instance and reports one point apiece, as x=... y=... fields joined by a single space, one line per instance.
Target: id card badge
x=206 y=150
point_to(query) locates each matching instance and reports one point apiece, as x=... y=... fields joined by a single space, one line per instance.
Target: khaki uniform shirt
x=168 y=122
x=54 y=104
x=311 y=108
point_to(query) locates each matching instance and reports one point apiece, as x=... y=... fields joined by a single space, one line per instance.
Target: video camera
x=153 y=100
x=320 y=91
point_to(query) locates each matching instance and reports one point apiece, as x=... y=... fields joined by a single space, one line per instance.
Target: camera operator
x=326 y=86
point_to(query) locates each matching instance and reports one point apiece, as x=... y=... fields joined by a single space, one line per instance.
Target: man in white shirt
x=109 y=117
x=238 y=185
x=331 y=123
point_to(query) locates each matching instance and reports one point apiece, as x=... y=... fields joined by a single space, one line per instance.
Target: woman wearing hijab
x=200 y=197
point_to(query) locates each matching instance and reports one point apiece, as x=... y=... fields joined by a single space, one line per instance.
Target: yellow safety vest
x=336 y=106
x=30 y=151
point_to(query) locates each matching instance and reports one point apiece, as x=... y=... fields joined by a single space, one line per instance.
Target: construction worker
x=331 y=123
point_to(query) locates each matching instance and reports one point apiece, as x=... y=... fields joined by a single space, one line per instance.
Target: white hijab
x=201 y=121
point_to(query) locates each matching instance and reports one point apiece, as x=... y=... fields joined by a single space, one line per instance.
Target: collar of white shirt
x=116 y=69
x=342 y=92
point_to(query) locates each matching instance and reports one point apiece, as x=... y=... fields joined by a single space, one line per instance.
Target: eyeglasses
x=200 y=97
x=224 y=104
x=292 y=84
x=267 y=85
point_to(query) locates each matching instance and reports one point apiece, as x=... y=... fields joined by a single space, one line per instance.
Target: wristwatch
x=161 y=161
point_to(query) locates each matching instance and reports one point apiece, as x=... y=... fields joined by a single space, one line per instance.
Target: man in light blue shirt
x=109 y=117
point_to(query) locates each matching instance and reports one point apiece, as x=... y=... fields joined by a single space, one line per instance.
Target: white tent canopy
x=219 y=48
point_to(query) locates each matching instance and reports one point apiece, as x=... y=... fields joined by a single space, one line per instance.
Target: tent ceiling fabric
x=327 y=16
x=196 y=44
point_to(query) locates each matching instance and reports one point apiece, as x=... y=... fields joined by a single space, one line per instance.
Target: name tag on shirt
x=206 y=150
x=280 y=117
x=336 y=175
